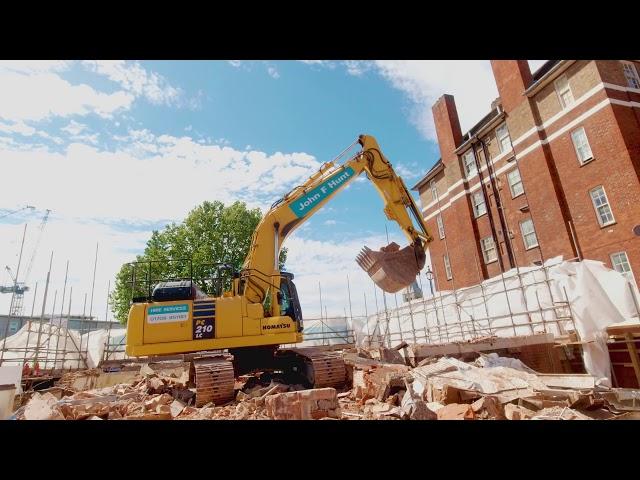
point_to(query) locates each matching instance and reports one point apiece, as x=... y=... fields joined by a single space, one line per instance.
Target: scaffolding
x=526 y=302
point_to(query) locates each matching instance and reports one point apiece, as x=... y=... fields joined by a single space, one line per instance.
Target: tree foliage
x=212 y=233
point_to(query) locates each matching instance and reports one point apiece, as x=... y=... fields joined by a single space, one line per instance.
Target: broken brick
x=515 y=412
x=303 y=405
x=456 y=411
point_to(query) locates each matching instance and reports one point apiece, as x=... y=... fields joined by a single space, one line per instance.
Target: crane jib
x=305 y=203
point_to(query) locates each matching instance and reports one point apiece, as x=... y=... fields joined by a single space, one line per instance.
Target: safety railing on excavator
x=212 y=278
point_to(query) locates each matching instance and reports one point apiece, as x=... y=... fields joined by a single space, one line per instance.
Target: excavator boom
x=391 y=268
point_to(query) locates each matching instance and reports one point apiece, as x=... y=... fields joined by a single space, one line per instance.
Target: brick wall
x=556 y=186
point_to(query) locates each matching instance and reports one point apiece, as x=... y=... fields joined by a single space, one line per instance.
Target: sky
x=117 y=149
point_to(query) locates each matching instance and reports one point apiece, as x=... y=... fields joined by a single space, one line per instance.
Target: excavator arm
x=390 y=268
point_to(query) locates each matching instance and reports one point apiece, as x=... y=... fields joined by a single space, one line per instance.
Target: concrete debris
x=494 y=360
x=514 y=412
x=43 y=407
x=304 y=405
x=380 y=387
x=559 y=413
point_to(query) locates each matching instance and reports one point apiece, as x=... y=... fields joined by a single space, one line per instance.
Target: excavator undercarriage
x=214 y=376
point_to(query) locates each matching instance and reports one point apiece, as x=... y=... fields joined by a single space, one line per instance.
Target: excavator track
x=214 y=378
x=321 y=368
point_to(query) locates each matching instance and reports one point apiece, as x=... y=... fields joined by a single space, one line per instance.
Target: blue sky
x=116 y=149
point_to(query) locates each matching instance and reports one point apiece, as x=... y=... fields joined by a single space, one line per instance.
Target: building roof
x=432 y=171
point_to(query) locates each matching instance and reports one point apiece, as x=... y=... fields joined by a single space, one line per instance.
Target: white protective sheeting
x=55 y=347
x=523 y=301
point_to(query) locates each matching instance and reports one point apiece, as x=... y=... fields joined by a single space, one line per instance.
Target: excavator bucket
x=392 y=268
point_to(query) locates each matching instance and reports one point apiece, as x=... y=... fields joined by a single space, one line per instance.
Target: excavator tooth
x=392 y=268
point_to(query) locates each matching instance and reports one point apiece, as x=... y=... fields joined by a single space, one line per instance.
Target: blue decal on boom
x=302 y=205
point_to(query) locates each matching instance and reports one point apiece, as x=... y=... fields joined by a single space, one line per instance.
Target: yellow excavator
x=243 y=329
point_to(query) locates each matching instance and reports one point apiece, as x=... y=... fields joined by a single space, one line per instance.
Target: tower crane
x=18 y=288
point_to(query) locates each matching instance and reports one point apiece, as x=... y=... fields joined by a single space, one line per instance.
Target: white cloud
x=329 y=263
x=41 y=95
x=321 y=63
x=330 y=222
x=149 y=177
x=234 y=63
x=273 y=72
x=79 y=132
x=34 y=66
x=536 y=64
x=17 y=127
x=74 y=128
x=137 y=80
x=471 y=82
x=356 y=67
x=424 y=81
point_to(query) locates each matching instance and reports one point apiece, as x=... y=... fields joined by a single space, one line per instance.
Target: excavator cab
x=288 y=299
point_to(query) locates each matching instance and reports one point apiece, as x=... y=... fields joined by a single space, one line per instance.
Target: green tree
x=211 y=233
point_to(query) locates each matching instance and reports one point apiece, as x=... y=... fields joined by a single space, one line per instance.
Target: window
x=489 y=252
x=447 y=267
x=469 y=161
x=434 y=190
x=440 y=225
x=620 y=263
x=515 y=183
x=631 y=74
x=14 y=325
x=564 y=91
x=581 y=144
x=528 y=234
x=502 y=134
x=479 y=205
x=601 y=204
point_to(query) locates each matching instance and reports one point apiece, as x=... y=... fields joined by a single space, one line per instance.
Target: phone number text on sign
x=166 y=314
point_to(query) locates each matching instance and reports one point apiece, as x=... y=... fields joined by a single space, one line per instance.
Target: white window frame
x=434 y=190
x=532 y=232
x=469 y=173
x=513 y=194
x=440 y=223
x=487 y=260
x=475 y=205
x=500 y=138
x=631 y=74
x=628 y=274
x=447 y=267
x=589 y=157
x=608 y=204
x=560 y=90
x=626 y=260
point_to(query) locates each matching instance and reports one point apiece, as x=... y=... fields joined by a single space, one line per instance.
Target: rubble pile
x=489 y=388
x=380 y=387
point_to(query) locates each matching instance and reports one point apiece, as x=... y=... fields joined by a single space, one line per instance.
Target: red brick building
x=553 y=169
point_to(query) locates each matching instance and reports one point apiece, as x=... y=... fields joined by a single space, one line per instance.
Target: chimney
x=445 y=117
x=513 y=77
